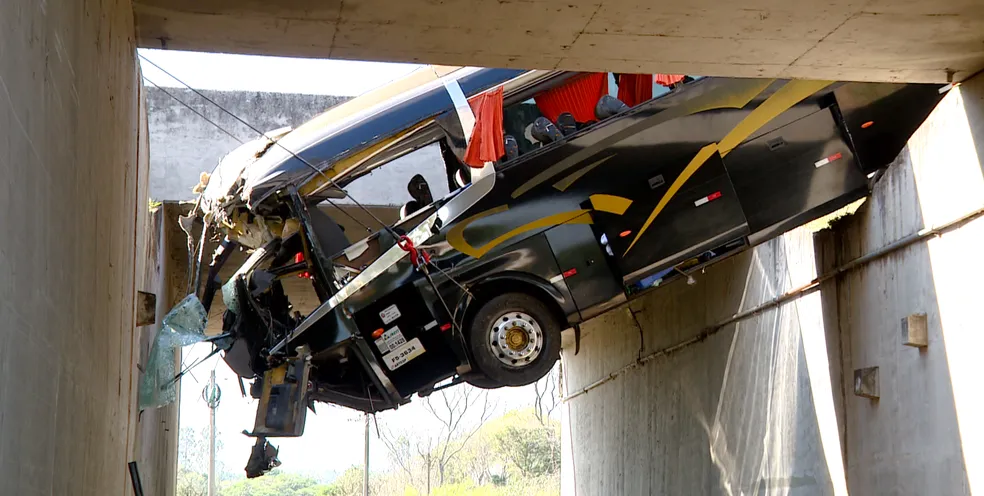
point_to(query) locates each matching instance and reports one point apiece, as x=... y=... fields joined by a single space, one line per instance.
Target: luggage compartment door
x=794 y=174
x=584 y=267
x=704 y=213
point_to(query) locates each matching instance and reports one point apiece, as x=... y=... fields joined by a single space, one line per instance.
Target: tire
x=478 y=379
x=514 y=340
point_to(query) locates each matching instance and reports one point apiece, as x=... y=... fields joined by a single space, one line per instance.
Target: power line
x=277 y=143
x=189 y=107
x=224 y=130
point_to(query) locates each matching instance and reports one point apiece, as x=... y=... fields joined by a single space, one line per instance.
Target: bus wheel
x=514 y=339
x=478 y=379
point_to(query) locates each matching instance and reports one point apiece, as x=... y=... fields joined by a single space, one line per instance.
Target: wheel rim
x=516 y=339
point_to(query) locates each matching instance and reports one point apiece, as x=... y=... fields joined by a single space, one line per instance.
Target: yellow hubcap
x=517 y=338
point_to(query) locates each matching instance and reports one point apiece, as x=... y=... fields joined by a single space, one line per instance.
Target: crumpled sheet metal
x=182 y=326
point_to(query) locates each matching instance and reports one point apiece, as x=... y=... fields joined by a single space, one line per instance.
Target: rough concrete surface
x=72 y=210
x=183 y=144
x=822 y=39
x=766 y=406
x=924 y=434
x=733 y=414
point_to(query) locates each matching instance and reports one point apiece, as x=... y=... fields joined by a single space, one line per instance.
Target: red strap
x=415 y=256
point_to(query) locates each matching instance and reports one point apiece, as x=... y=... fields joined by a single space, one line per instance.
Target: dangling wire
x=277 y=143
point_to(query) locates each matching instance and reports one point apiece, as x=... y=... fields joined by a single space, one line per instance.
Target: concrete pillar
x=73 y=169
x=767 y=405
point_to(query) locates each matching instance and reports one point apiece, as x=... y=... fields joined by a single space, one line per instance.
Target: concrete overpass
x=821 y=39
x=732 y=412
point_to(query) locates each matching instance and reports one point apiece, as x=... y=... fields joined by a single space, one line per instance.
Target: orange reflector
x=377 y=333
x=624 y=234
x=868 y=124
x=445 y=327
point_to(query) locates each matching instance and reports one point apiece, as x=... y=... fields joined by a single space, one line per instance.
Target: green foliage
x=191 y=483
x=349 y=483
x=530 y=447
x=515 y=454
x=278 y=483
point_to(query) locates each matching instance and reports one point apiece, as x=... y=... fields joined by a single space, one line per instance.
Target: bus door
x=584 y=267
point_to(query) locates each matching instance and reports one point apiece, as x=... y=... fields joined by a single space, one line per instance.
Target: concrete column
x=767 y=405
x=72 y=211
x=923 y=435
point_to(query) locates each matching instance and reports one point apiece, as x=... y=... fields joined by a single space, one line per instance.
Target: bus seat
x=608 y=106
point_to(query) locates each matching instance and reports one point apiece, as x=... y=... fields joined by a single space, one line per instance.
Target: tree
x=533 y=449
x=452 y=411
x=193 y=449
x=277 y=483
x=349 y=483
x=459 y=413
x=191 y=483
x=546 y=394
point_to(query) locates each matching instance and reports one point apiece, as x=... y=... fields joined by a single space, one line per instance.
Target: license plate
x=390 y=340
x=403 y=354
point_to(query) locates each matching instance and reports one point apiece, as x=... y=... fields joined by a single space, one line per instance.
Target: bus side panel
x=704 y=213
x=584 y=269
x=794 y=174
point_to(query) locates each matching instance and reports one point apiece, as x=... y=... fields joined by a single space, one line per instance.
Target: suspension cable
x=316 y=170
x=189 y=107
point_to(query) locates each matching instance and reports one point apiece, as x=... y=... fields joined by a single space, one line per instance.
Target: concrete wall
x=732 y=414
x=841 y=40
x=924 y=435
x=767 y=405
x=72 y=208
x=183 y=145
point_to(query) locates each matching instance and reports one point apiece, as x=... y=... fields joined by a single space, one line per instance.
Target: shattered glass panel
x=229 y=296
x=182 y=326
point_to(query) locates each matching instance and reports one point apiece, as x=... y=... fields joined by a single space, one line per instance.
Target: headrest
x=608 y=106
x=566 y=123
x=419 y=190
x=545 y=131
x=512 y=147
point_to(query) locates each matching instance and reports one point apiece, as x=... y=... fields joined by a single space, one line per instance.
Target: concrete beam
x=886 y=40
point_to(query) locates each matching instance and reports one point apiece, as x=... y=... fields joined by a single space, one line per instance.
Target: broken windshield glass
x=182 y=326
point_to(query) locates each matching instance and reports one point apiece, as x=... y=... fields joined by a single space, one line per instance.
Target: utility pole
x=211 y=394
x=365 y=467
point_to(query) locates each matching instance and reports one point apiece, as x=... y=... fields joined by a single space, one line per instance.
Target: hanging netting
x=182 y=326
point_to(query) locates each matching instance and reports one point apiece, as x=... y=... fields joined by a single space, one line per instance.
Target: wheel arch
x=517 y=282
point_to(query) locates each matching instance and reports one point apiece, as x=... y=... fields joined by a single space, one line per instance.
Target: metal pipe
x=365 y=467
x=135 y=479
x=791 y=295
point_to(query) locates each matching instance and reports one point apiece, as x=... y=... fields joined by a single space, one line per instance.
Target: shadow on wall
x=904 y=442
x=923 y=435
x=733 y=414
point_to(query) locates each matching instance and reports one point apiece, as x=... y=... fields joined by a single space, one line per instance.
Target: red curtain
x=577 y=96
x=487 y=143
x=634 y=89
x=669 y=79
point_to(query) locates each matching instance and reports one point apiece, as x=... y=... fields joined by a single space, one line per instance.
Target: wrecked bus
x=564 y=202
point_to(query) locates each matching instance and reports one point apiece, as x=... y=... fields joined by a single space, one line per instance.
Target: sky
x=218 y=71
x=334 y=437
